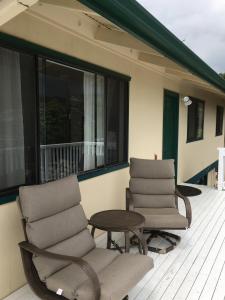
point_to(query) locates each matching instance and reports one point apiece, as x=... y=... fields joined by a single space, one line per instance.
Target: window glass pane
x=123 y=121
x=199 y=119
x=100 y=119
x=89 y=120
x=195 y=120
x=83 y=120
x=191 y=120
x=219 y=120
x=17 y=121
x=72 y=129
x=116 y=121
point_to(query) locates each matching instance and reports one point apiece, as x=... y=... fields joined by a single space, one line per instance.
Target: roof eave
x=133 y=18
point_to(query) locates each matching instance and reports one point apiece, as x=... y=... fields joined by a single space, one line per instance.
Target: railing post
x=46 y=164
x=221 y=169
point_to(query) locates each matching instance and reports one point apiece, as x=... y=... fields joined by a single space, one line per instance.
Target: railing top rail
x=70 y=144
x=61 y=145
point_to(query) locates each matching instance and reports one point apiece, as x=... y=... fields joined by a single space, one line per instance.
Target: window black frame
x=195 y=139
x=22 y=46
x=219 y=121
x=107 y=76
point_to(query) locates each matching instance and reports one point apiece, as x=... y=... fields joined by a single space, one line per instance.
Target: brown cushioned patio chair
x=152 y=193
x=60 y=257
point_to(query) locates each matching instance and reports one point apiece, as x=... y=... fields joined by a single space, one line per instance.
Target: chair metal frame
x=27 y=251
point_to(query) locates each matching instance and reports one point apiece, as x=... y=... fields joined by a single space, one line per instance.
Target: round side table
x=188 y=191
x=120 y=221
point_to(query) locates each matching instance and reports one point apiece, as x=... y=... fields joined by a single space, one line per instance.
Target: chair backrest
x=55 y=221
x=152 y=183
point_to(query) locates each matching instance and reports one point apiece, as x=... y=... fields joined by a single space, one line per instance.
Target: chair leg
x=171 y=238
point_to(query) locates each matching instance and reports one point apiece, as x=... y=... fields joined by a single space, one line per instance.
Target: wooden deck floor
x=195 y=269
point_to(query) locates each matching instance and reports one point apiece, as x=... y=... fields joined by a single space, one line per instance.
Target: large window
x=58 y=119
x=83 y=120
x=219 y=120
x=17 y=123
x=195 y=126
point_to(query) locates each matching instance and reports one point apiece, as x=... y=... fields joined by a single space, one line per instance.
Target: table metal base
x=171 y=238
x=140 y=241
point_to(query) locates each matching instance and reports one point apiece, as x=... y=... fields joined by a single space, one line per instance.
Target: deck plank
x=220 y=285
x=214 y=272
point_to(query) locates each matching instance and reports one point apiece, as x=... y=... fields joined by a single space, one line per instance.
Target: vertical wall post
x=221 y=168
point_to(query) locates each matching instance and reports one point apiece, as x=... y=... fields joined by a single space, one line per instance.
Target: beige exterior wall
x=145 y=135
x=194 y=157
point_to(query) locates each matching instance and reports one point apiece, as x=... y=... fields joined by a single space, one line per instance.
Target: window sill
x=196 y=140
x=8 y=198
x=102 y=171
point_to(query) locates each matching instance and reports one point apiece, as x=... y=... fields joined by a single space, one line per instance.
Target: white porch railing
x=60 y=160
x=221 y=169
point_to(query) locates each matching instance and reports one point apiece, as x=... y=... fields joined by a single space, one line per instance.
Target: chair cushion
x=152 y=183
x=41 y=201
x=117 y=274
x=51 y=230
x=154 y=201
x=154 y=169
x=167 y=218
x=55 y=221
x=78 y=246
x=152 y=186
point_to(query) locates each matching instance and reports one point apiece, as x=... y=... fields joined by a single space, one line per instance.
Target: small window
x=195 y=126
x=83 y=120
x=219 y=120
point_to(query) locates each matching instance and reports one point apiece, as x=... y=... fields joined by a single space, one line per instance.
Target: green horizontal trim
x=102 y=171
x=87 y=175
x=7 y=199
x=133 y=18
x=202 y=173
x=35 y=49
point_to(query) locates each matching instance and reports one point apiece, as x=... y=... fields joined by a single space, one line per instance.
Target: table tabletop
x=117 y=220
x=188 y=191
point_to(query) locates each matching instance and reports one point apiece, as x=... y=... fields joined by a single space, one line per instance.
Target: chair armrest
x=187 y=206
x=129 y=200
x=88 y=270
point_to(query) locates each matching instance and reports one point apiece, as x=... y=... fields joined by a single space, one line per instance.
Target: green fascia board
x=130 y=16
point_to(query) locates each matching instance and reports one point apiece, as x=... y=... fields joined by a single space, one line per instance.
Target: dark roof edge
x=135 y=19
